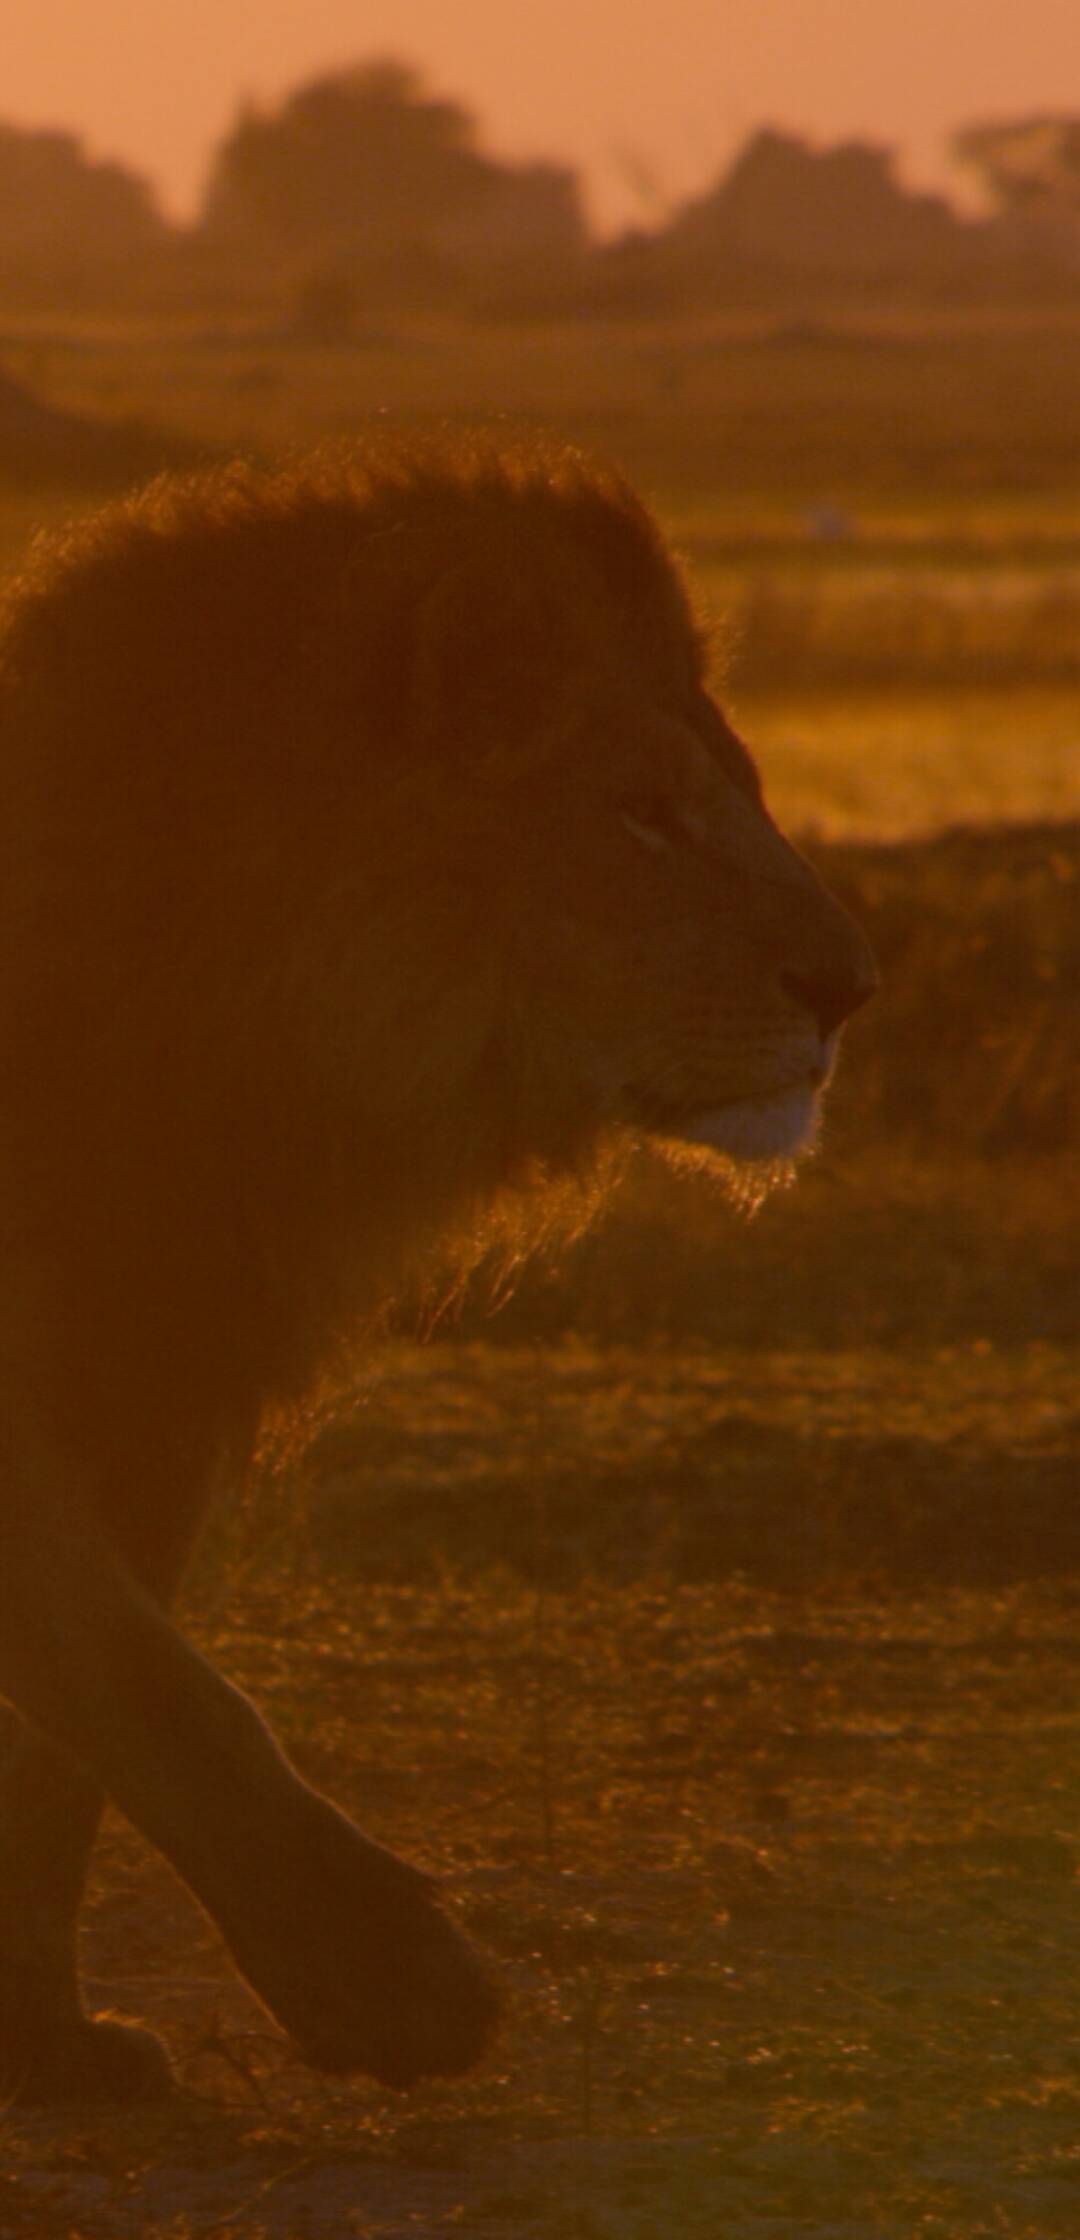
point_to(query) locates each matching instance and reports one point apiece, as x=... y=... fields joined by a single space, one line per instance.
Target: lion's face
x=675 y=958
x=694 y=960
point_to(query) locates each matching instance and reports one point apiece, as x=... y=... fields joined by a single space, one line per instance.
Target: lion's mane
x=256 y=1025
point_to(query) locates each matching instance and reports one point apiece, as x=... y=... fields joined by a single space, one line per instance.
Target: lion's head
x=671 y=959
x=645 y=952
x=385 y=853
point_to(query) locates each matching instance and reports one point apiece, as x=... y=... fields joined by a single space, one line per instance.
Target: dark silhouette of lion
x=374 y=855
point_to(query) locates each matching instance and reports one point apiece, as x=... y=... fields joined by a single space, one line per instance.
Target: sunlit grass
x=892 y=762
x=915 y=416
x=948 y=619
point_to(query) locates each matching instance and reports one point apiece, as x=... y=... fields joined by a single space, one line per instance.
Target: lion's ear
x=483 y=654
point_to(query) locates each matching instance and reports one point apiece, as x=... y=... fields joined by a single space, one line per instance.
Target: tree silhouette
x=350 y=161
x=1030 y=166
x=55 y=201
x=786 y=205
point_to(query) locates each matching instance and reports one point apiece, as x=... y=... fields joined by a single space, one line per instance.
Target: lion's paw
x=347 y=1949
x=426 y=2007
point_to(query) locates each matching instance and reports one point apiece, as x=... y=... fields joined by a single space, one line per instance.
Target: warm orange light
x=649 y=100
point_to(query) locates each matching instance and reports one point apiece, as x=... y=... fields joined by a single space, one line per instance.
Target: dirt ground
x=777 y=1858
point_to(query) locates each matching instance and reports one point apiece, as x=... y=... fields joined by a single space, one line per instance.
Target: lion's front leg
x=50 y=2049
x=340 y=1939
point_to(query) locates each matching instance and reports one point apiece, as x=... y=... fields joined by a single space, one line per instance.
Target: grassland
x=707 y=1621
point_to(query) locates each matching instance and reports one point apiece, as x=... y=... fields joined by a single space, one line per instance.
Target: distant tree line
x=362 y=189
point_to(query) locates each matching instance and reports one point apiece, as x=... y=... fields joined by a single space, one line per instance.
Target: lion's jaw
x=773 y=1123
x=757 y=1128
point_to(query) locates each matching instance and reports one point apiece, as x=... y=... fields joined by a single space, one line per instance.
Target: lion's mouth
x=777 y=1124
x=754 y=1128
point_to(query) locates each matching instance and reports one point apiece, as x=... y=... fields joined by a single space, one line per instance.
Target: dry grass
x=941 y=626
x=905 y=759
x=952 y=420
x=779 y=1866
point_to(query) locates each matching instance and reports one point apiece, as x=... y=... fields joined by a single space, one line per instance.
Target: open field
x=857 y=761
x=707 y=1622
x=736 y=1701
x=957 y=423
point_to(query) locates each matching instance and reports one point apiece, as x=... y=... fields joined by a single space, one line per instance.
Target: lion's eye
x=655 y=820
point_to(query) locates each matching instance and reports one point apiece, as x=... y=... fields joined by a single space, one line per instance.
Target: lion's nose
x=831 y=993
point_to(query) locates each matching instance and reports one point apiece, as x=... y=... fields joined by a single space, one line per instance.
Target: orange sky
x=671 y=85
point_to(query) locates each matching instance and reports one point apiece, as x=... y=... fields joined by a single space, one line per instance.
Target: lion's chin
x=753 y=1130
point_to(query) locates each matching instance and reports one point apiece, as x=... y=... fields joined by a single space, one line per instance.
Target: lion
x=376 y=859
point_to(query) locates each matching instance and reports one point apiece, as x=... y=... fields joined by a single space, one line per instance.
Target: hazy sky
x=653 y=91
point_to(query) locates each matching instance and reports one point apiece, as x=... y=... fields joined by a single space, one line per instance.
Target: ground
x=778 y=1863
